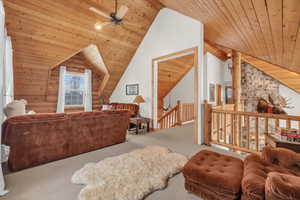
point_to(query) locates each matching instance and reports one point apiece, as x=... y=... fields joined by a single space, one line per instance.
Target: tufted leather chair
x=275 y=175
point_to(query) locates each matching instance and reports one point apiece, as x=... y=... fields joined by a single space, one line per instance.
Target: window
x=74 y=89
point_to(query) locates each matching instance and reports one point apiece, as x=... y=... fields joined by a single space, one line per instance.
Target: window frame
x=84 y=90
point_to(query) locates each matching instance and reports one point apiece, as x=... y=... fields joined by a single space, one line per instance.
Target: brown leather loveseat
x=275 y=175
x=41 y=138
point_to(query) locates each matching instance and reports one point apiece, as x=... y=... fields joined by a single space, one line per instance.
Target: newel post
x=207 y=124
x=179 y=113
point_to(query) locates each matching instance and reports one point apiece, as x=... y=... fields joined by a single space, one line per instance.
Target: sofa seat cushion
x=219 y=176
x=256 y=171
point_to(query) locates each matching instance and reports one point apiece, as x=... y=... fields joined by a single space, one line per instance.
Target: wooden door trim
x=193 y=50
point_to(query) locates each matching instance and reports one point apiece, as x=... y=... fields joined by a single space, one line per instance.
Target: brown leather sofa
x=41 y=138
x=133 y=108
x=275 y=175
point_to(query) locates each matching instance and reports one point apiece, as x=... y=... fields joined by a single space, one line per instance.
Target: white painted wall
x=170 y=32
x=216 y=73
x=2 y=62
x=294 y=100
x=183 y=91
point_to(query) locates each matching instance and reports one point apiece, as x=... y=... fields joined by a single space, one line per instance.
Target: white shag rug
x=130 y=176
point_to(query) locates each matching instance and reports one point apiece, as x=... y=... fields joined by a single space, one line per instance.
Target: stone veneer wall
x=255 y=85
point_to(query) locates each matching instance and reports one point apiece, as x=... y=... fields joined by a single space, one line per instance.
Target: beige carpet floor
x=52 y=181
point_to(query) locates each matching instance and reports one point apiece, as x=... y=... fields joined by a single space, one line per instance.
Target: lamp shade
x=139 y=99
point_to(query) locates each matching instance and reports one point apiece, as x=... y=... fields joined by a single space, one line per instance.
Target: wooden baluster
x=218 y=127
x=175 y=117
x=208 y=122
x=248 y=132
x=179 y=112
x=277 y=123
x=257 y=133
x=221 y=127
x=185 y=111
x=189 y=107
x=189 y=112
x=266 y=126
x=232 y=129
x=240 y=130
x=288 y=124
x=168 y=123
x=225 y=134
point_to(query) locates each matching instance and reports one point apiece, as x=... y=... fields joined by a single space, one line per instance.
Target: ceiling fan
x=115 y=17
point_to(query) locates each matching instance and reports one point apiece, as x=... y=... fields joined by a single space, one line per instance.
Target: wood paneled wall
x=75 y=64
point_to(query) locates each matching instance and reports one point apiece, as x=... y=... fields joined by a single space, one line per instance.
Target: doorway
x=175 y=83
x=167 y=78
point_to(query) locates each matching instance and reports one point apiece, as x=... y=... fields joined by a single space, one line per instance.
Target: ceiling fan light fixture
x=98 y=26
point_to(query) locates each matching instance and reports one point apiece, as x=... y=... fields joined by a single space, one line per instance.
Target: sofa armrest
x=282 y=187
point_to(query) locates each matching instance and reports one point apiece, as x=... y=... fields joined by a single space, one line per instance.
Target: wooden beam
x=236 y=78
x=209 y=47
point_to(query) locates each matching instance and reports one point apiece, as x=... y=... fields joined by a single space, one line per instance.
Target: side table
x=139 y=121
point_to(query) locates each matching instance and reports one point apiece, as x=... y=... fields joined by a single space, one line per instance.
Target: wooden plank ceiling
x=170 y=72
x=47 y=32
x=266 y=29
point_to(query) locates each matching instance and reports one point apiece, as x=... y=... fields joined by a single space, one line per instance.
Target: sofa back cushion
x=282 y=157
x=133 y=108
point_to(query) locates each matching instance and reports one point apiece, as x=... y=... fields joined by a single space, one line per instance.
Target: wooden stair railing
x=243 y=131
x=169 y=119
x=182 y=112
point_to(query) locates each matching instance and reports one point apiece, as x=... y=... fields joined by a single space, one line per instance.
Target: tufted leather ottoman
x=214 y=176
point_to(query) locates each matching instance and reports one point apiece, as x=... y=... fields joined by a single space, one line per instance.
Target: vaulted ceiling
x=47 y=32
x=267 y=29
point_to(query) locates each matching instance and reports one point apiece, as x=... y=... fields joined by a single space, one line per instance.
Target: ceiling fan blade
x=99 y=25
x=99 y=12
x=122 y=12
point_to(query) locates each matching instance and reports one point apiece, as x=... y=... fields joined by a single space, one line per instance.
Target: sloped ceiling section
x=47 y=32
x=285 y=76
x=267 y=29
x=170 y=72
